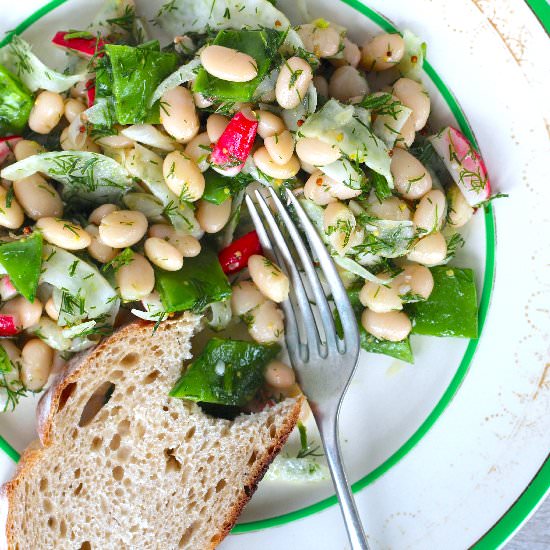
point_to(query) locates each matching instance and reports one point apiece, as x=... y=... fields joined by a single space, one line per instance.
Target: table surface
x=535 y=535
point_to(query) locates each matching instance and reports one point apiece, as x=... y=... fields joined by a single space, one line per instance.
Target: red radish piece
x=85 y=47
x=6 y=146
x=7 y=290
x=90 y=92
x=234 y=257
x=8 y=325
x=234 y=146
x=464 y=164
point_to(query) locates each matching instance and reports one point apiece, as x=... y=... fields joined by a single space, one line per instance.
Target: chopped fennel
x=184 y=74
x=19 y=58
x=296 y=469
x=411 y=64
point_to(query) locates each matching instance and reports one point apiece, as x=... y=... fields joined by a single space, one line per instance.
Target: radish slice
x=234 y=146
x=8 y=325
x=7 y=290
x=464 y=164
x=85 y=47
x=90 y=92
x=6 y=146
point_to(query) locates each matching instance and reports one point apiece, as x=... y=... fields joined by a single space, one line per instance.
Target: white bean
x=178 y=114
x=100 y=212
x=36 y=364
x=347 y=82
x=321 y=85
x=228 y=64
x=63 y=233
x=269 y=278
x=215 y=126
x=342 y=191
x=51 y=310
x=163 y=254
x=213 y=217
x=198 y=149
x=37 y=197
x=317 y=188
x=269 y=124
x=122 y=228
x=183 y=176
x=27 y=148
x=79 y=90
x=407 y=134
x=25 y=313
x=97 y=248
x=415 y=280
x=73 y=107
x=268 y=166
x=188 y=245
x=429 y=250
x=322 y=41
x=411 y=178
x=307 y=167
x=391 y=208
x=136 y=279
x=116 y=141
x=46 y=113
x=379 y=298
x=383 y=52
x=459 y=211
x=339 y=224
x=292 y=82
x=352 y=53
x=316 y=152
x=266 y=323
x=244 y=297
x=11 y=216
x=393 y=325
x=279 y=375
x=431 y=211
x=280 y=147
x=414 y=96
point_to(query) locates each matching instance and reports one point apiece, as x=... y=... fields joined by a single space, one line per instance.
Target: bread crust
x=49 y=405
x=257 y=475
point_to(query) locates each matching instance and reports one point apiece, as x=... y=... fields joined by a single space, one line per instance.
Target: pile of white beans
x=279 y=154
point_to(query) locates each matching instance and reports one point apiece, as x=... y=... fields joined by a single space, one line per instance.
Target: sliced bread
x=122 y=465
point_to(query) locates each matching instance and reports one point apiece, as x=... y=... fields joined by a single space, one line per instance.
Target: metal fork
x=323 y=362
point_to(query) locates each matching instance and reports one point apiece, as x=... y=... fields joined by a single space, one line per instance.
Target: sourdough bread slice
x=122 y=465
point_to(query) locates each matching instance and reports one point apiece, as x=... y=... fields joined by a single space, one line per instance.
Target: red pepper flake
x=277 y=23
x=414 y=59
x=27 y=230
x=319 y=181
x=299 y=123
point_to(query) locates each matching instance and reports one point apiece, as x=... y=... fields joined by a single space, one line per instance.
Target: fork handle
x=354 y=527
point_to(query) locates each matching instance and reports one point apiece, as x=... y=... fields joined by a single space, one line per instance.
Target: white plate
x=452 y=467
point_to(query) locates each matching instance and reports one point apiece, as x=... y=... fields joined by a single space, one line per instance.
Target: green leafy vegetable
x=136 y=73
x=87 y=177
x=15 y=103
x=451 y=309
x=227 y=372
x=197 y=284
x=19 y=59
x=218 y=188
x=22 y=260
x=261 y=45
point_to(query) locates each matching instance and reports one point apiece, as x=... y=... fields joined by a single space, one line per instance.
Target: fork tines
x=319 y=338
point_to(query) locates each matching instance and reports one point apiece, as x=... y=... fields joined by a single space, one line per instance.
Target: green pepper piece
x=136 y=73
x=197 y=284
x=218 y=188
x=451 y=309
x=22 y=259
x=16 y=102
x=227 y=372
x=262 y=45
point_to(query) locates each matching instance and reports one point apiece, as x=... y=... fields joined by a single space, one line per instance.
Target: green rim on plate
x=536 y=490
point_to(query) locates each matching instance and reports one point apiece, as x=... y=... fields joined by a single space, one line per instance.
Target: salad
x=123 y=179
